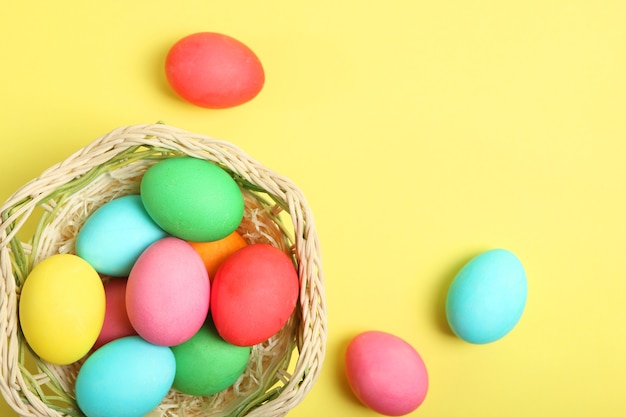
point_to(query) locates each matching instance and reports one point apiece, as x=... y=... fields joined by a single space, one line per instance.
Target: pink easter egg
x=253 y=294
x=167 y=295
x=116 y=322
x=386 y=373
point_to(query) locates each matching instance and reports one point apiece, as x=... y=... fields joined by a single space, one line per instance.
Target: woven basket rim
x=250 y=173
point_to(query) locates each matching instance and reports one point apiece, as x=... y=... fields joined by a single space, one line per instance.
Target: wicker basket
x=50 y=210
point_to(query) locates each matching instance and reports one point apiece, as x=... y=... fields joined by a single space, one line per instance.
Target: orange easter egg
x=215 y=252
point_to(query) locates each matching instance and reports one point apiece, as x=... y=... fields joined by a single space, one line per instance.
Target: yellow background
x=421 y=132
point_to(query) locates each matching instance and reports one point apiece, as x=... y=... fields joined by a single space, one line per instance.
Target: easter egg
x=386 y=373
x=487 y=297
x=61 y=308
x=206 y=364
x=253 y=294
x=167 y=294
x=113 y=236
x=128 y=377
x=192 y=199
x=116 y=323
x=213 y=70
x=214 y=253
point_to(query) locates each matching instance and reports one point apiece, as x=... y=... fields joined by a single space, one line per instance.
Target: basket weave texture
x=54 y=205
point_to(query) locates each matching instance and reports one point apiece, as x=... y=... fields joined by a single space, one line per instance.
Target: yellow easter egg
x=62 y=308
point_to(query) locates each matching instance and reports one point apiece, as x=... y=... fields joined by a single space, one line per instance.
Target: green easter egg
x=206 y=364
x=192 y=199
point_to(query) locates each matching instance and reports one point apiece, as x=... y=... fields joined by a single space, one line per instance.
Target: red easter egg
x=386 y=373
x=213 y=70
x=253 y=294
x=116 y=322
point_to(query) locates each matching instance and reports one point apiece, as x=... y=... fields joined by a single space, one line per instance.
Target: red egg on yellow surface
x=214 y=70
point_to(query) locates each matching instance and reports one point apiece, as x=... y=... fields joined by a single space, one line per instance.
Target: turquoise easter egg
x=113 y=236
x=127 y=377
x=487 y=297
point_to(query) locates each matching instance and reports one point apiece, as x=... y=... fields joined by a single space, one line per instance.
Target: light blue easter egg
x=113 y=236
x=127 y=377
x=487 y=297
